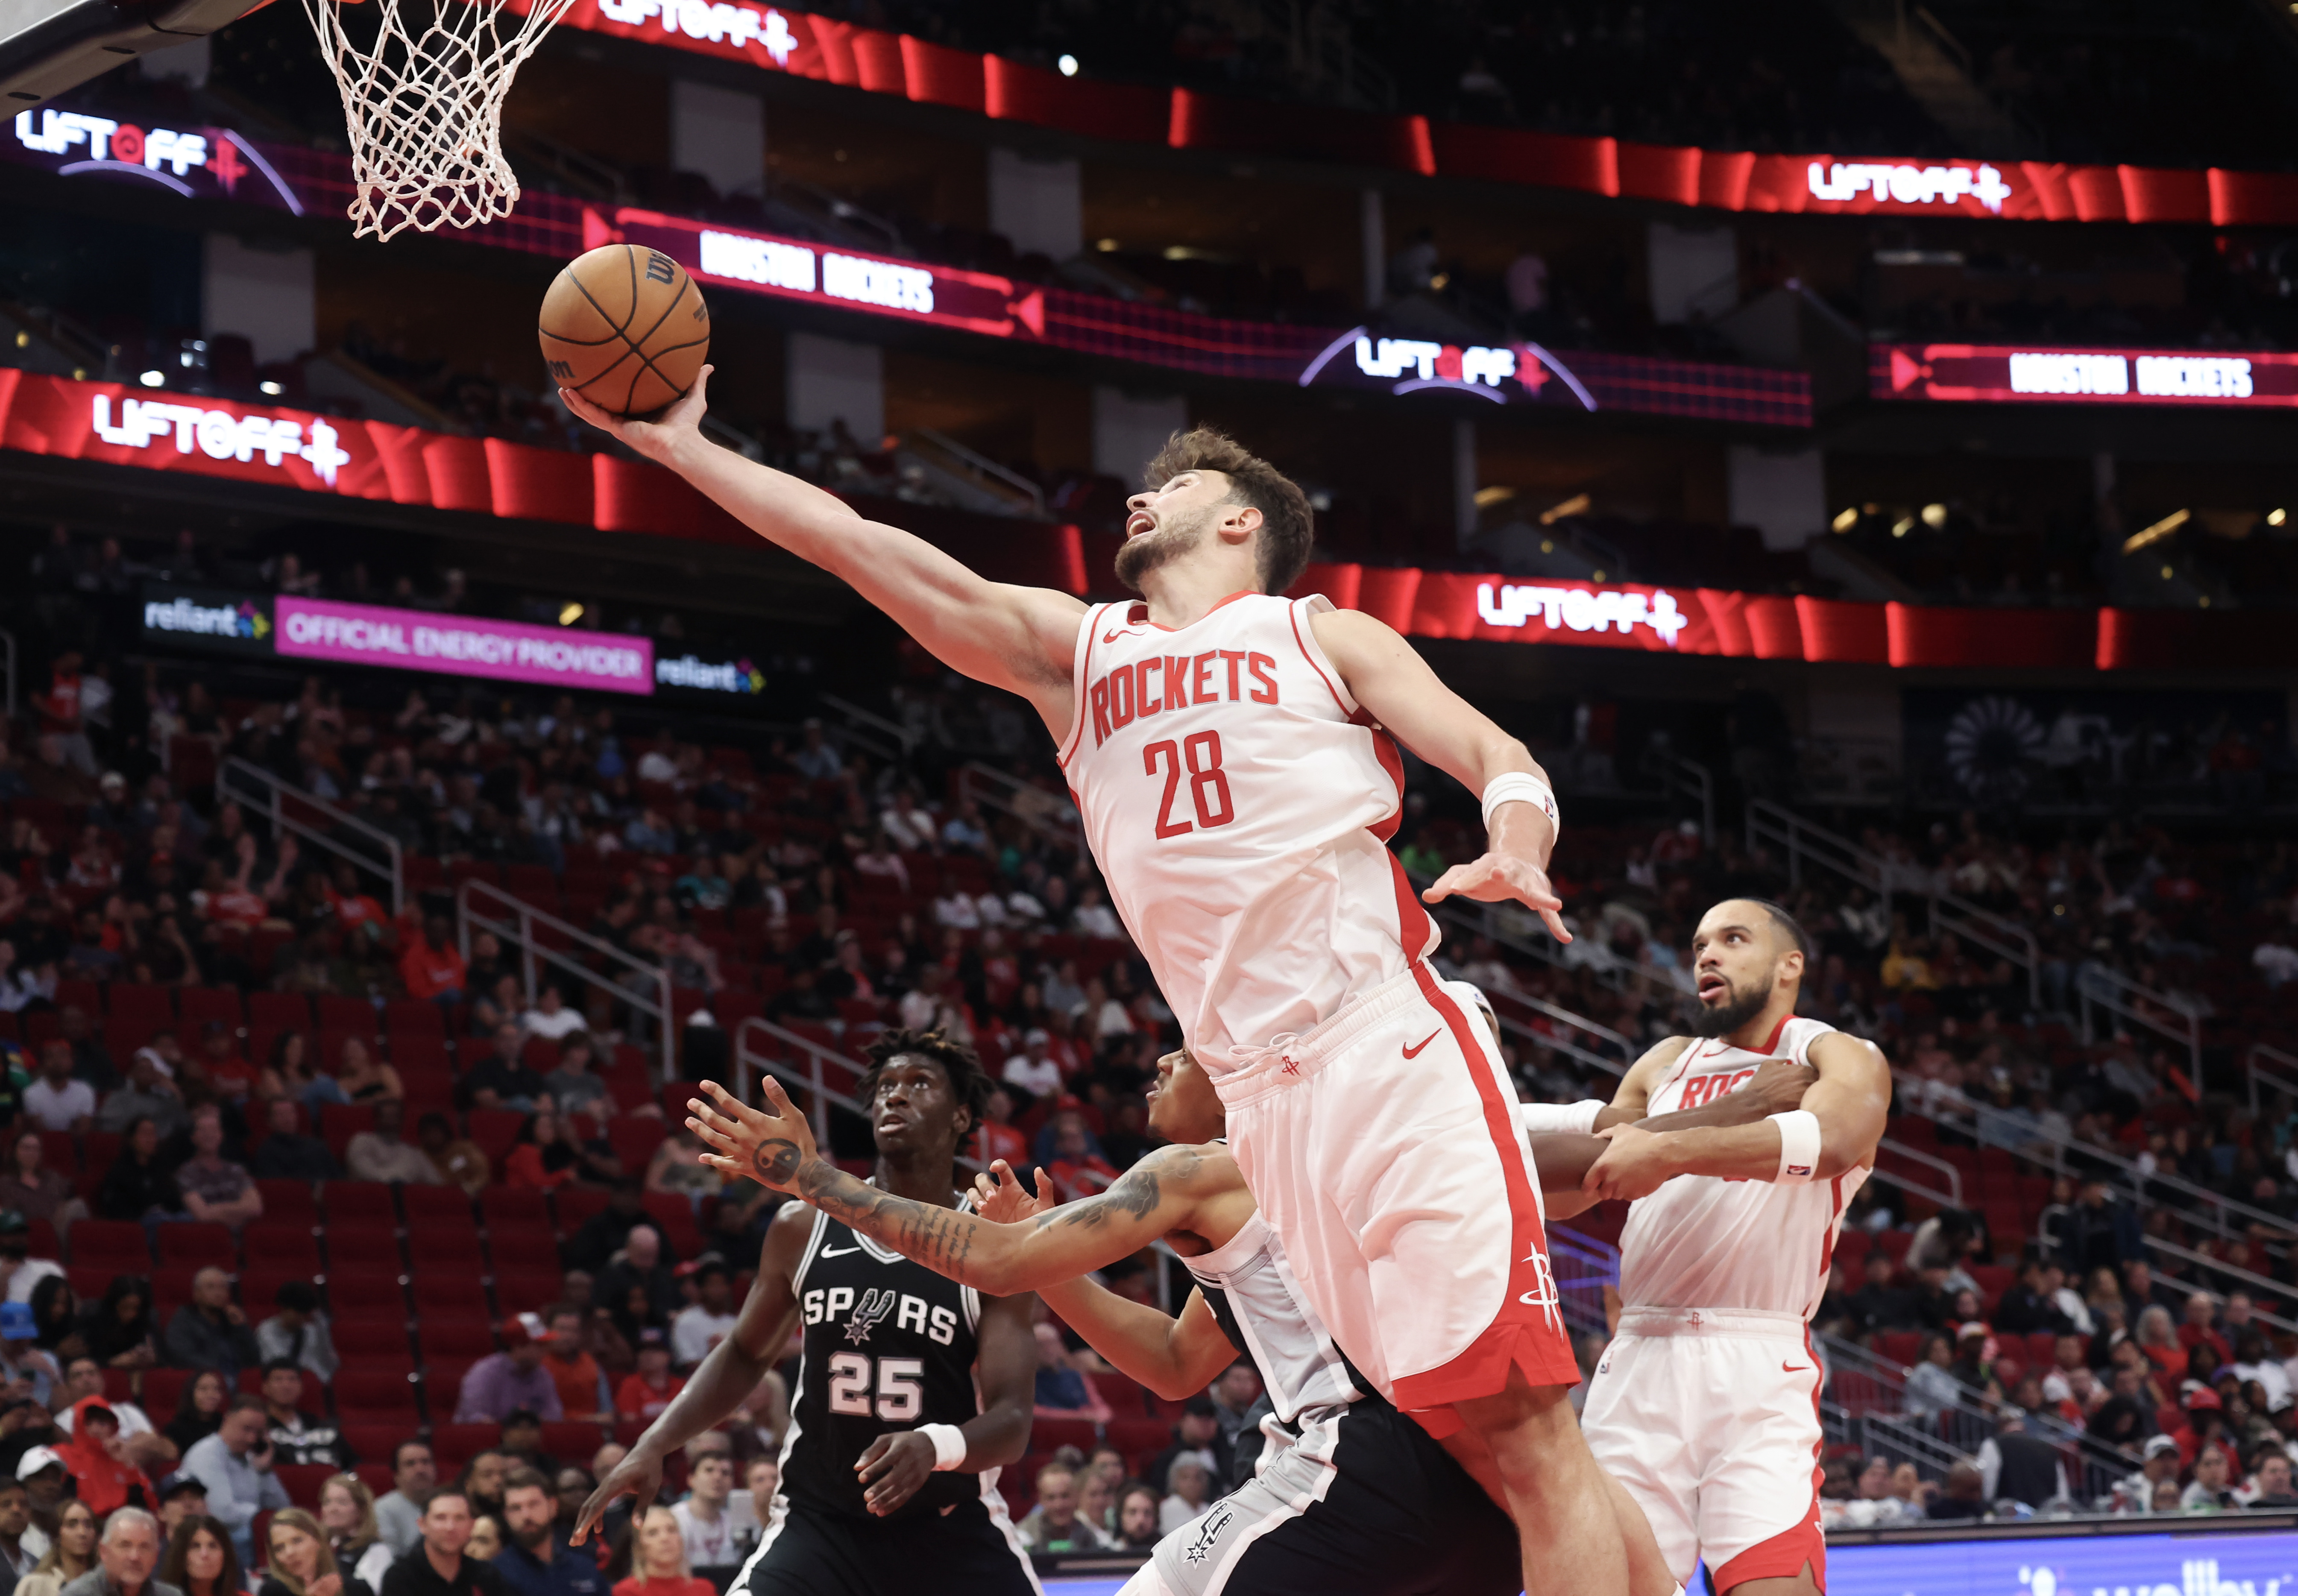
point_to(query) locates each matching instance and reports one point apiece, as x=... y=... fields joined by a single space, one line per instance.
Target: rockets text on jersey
x=1240 y=803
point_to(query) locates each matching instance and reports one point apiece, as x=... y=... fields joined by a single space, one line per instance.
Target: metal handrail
x=2088 y=983
x=2264 y=1285
x=2282 y=1083
x=985 y=467
x=1000 y=796
x=521 y=931
x=272 y=794
x=1953 y=1196
x=1681 y=773
x=857 y=716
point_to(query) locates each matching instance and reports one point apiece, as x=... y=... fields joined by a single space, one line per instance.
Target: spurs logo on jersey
x=876 y=1303
x=1703 y=1242
x=1235 y=792
x=1200 y=1544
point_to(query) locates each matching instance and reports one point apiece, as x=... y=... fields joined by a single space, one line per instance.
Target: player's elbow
x=1172 y=1385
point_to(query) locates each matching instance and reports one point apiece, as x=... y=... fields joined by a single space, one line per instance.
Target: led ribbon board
x=2011 y=373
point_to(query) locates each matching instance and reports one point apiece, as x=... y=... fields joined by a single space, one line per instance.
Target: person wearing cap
x=19 y=1268
x=2160 y=1465
x=512 y=1378
x=58 y=1100
x=148 y=1092
x=711 y=1316
x=30 y=1372
x=181 y=1496
x=235 y=1464
x=2205 y=1430
x=22 y=1543
x=298 y=1332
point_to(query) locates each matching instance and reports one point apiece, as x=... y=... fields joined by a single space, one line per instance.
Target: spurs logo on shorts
x=1543 y=1294
x=1201 y=1546
x=869 y=1313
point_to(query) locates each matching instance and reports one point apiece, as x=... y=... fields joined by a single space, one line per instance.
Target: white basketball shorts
x=1710 y=1419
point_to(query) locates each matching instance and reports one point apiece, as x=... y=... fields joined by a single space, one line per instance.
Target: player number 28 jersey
x=1240 y=804
x=1702 y=1241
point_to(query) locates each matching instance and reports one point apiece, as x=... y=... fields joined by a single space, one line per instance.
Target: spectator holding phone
x=235 y=1464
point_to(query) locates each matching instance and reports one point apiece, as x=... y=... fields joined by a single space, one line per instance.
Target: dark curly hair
x=1287 y=524
x=968 y=1082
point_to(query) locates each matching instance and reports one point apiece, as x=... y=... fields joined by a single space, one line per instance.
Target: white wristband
x=948 y=1444
x=1798 y=1146
x=1521 y=787
x=1559 y=1118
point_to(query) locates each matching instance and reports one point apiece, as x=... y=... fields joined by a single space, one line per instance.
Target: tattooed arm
x=774 y=1146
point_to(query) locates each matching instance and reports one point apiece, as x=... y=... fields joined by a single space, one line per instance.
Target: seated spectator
x=2212 y=1490
x=456 y=1160
x=1076 y=1168
x=347 y=1515
x=286 y=1153
x=83 y=1380
x=431 y=967
x=399 y=1511
x=2032 y=1304
x=582 y=1390
x=658 y=1566
x=1031 y=1069
x=57 y=1100
x=302 y=1563
x=1062 y=1392
x=100 y=1477
x=199 y=1410
x=2270 y=1489
x=551 y=1017
x=712 y=1317
x=637 y=1286
x=514 y=1379
x=116 y=1331
x=1053 y=1525
x=676 y=1168
x=214 y=1188
x=71 y=1554
x=364 y=1078
x=200 y=1561
x=138 y=1183
x=646 y=1392
x=501 y=1079
x=297 y=1332
x=1188 y=1489
x=573 y=1084
x=209 y=1331
x=383 y=1154
x=2200 y=1329
x=20 y=1271
x=290 y=1075
x=147 y=1094
x=33 y=1189
x=235 y=1464
x=540 y=1160
x=704 y=1521
x=1197 y=1433
x=1879 y=1305
x=223 y=1066
x=298 y=1438
x=601 y=1235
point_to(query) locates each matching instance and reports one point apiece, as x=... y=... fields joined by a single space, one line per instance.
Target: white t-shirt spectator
x=707 y=1545
x=1097 y=920
x=695 y=1331
x=28 y=1277
x=1037 y=1078
x=556 y=1027
x=59 y=1108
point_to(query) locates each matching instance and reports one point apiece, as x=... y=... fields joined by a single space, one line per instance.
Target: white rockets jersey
x=1240 y=804
x=1702 y=1241
x=1250 y=1286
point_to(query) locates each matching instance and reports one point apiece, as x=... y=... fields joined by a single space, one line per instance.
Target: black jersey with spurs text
x=889 y=1346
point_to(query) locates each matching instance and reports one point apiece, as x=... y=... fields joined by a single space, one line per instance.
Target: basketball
x=626 y=327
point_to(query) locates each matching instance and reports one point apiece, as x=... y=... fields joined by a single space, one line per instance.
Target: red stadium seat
x=509 y=1208
x=456 y=1444
x=418 y=1055
x=278 y=1010
x=443 y=1245
x=373 y=1444
x=496 y=1132
x=573 y=1440
x=455 y=1341
x=529 y=1291
x=163 y=1388
x=372 y=1342
x=199 y=1004
x=118 y=1246
x=450 y=1295
x=185 y=1244
x=429 y=1205
x=376 y=1396
x=363 y=1247
x=288 y=1248
x=353 y=1016
x=577 y=1205
x=413 y=1016
x=371 y=1295
x=358 y=1202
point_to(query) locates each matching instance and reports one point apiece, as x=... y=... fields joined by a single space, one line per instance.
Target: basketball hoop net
x=423 y=103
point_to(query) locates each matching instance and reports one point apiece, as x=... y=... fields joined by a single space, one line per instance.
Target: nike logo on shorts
x=1785 y=1368
x=1415 y=1051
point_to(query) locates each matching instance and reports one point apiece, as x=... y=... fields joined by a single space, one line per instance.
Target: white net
x=423 y=98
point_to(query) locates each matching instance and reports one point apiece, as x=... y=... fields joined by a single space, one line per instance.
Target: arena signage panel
x=414 y=640
x=2226 y=1564
x=207 y=618
x=736 y=681
x=1979 y=373
x=201 y=163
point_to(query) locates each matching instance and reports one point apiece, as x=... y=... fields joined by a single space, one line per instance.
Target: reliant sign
x=464 y=645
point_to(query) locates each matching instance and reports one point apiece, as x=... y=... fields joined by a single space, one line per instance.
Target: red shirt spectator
x=431 y=967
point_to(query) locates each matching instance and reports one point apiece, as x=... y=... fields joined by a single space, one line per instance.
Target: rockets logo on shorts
x=1543 y=1294
x=1218 y=1517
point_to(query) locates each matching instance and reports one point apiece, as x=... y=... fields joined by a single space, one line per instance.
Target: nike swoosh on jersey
x=1111 y=637
x=1416 y=1051
x=838 y=1251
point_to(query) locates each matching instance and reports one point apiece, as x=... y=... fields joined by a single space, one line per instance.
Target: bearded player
x=1231 y=753
x=1349 y=1497
x=912 y=1391
x=1705 y=1405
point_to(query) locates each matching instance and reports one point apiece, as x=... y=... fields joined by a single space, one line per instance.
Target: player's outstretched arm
x=1393 y=683
x=1176 y=1357
x=723 y=1380
x=1017 y=638
x=1851 y=1101
x=774 y=1146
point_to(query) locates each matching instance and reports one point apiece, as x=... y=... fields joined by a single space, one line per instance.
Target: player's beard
x=1720 y=1020
x=1138 y=557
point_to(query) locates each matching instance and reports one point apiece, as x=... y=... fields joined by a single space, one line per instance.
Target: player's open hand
x=891 y=1471
x=1501 y=878
x=1634 y=1166
x=1000 y=1198
x=639 y=1476
x=769 y=1145
x=657 y=438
